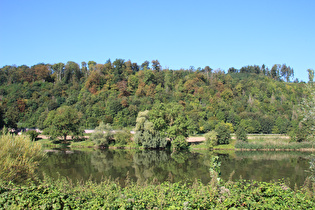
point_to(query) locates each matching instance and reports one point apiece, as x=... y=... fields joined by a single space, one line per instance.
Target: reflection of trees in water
x=180 y=166
x=112 y=163
x=66 y=164
x=312 y=168
x=271 y=155
x=147 y=164
x=265 y=167
x=162 y=165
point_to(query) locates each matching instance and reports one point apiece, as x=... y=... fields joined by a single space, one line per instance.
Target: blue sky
x=180 y=34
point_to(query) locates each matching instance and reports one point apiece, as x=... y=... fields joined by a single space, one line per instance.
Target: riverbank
x=256 y=142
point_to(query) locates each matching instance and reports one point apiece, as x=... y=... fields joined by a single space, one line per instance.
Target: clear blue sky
x=179 y=34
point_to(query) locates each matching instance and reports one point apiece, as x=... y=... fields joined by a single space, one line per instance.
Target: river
x=142 y=166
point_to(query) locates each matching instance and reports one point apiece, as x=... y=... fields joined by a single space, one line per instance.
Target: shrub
x=122 y=137
x=180 y=143
x=211 y=139
x=241 y=134
x=32 y=134
x=102 y=135
x=63 y=194
x=300 y=133
x=224 y=134
x=19 y=157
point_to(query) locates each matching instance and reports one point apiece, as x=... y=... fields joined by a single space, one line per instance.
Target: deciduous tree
x=63 y=122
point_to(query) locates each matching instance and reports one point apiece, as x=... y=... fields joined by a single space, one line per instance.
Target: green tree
x=286 y=72
x=63 y=122
x=72 y=72
x=59 y=69
x=146 y=135
x=32 y=134
x=275 y=71
x=310 y=75
x=211 y=139
x=307 y=111
x=224 y=134
x=122 y=137
x=241 y=134
x=180 y=143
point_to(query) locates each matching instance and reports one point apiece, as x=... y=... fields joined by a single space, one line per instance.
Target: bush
x=32 y=134
x=300 y=133
x=241 y=134
x=63 y=194
x=122 y=137
x=102 y=135
x=180 y=143
x=224 y=134
x=211 y=139
x=19 y=157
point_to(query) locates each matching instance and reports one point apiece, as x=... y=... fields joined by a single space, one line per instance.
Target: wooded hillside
x=261 y=100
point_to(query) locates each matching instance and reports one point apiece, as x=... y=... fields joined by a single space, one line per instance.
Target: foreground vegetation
x=19 y=157
x=61 y=193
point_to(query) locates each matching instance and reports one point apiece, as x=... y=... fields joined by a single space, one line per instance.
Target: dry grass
x=19 y=157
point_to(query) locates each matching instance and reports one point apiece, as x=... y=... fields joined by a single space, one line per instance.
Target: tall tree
x=156 y=66
x=63 y=122
x=145 y=65
x=286 y=72
x=72 y=72
x=41 y=71
x=84 y=69
x=59 y=69
x=275 y=71
x=91 y=65
x=310 y=75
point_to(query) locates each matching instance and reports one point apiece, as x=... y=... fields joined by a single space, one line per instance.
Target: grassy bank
x=255 y=142
x=272 y=142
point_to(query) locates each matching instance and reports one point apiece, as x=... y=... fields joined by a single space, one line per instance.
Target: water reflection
x=147 y=165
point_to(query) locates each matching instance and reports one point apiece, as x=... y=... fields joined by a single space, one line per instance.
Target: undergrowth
x=64 y=194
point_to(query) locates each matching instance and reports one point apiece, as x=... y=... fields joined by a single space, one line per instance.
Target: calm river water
x=144 y=166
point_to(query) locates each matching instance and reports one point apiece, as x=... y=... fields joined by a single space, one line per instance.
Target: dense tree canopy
x=182 y=102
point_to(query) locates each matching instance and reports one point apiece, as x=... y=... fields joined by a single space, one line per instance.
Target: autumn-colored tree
x=42 y=72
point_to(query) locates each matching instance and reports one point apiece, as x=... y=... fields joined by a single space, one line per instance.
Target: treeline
x=259 y=99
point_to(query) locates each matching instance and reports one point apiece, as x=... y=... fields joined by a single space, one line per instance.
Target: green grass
x=84 y=143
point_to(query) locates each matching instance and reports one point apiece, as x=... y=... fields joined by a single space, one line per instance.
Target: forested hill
x=262 y=100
